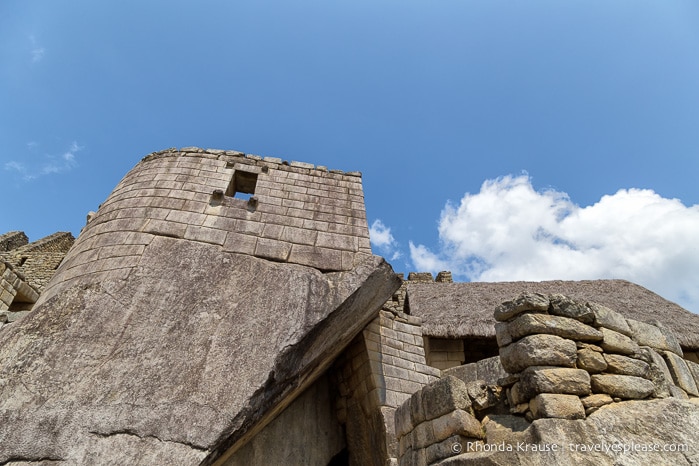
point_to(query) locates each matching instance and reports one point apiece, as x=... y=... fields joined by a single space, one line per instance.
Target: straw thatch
x=465 y=310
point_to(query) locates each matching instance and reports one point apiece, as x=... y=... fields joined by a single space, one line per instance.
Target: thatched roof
x=463 y=310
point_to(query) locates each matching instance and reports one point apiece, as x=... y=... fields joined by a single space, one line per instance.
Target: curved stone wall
x=296 y=213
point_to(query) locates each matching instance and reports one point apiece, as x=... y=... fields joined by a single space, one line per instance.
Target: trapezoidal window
x=242 y=185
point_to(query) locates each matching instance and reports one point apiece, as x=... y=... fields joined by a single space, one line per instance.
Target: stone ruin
x=26 y=268
x=223 y=308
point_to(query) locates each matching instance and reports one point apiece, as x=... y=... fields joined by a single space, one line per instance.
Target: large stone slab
x=195 y=351
x=615 y=342
x=618 y=364
x=538 y=350
x=525 y=302
x=654 y=336
x=528 y=324
x=562 y=380
x=622 y=386
x=680 y=373
x=557 y=406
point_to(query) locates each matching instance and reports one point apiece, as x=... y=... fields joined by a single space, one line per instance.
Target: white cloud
x=381 y=238
x=510 y=231
x=37 y=51
x=49 y=164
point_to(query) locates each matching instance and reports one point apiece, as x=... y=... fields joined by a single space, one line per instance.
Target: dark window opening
x=22 y=261
x=242 y=185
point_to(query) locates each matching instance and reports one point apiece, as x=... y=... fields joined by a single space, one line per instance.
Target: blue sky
x=503 y=140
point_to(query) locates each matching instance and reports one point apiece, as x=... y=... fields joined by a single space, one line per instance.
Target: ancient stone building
x=25 y=268
x=223 y=308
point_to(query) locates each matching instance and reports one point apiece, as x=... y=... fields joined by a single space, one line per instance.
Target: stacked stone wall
x=444 y=353
x=298 y=213
x=433 y=421
x=12 y=240
x=14 y=290
x=37 y=261
x=568 y=358
x=382 y=368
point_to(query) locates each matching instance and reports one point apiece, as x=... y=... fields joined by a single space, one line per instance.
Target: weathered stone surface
x=542 y=379
x=607 y=318
x=662 y=422
x=534 y=302
x=308 y=427
x=694 y=370
x=566 y=307
x=658 y=373
x=538 y=350
x=444 y=395
x=457 y=422
x=654 y=336
x=550 y=405
x=592 y=361
x=615 y=342
x=489 y=370
x=528 y=324
x=680 y=373
x=186 y=353
x=595 y=401
x=622 y=386
x=618 y=364
x=483 y=395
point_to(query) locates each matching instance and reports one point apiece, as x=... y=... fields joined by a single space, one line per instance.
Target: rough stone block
x=617 y=364
x=596 y=401
x=538 y=350
x=458 y=422
x=694 y=370
x=525 y=302
x=444 y=449
x=680 y=373
x=317 y=257
x=547 y=405
x=444 y=395
x=658 y=373
x=615 y=342
x=656 y=337
x=566 y=307
x=607 y=318
x=565 y=327
x=590 y=360
x=622 y=386
x=535 y=380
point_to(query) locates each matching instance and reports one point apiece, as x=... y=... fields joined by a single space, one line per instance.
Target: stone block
x=592 y=361
x=444 y=395
x=205 y=235
x=537 y=379
x=458 y=422
x=656 y=337
x=658 y=373
x=566 y=307
x=565 y=327
x=538 y=350
x=525 y=302
x=239 y=243
x=680 y=373
x=615 y=342
x=694 y=370
x=317 y=257
x=618 y=364
x=299 y=236
x=337 y=241
x=502 y=334
x=607 y=318
x=622 y=386
x=422 y=435
x=445 y=449
x=417 y=411
x=548 y=405
x=272 y=249
x=596 y=401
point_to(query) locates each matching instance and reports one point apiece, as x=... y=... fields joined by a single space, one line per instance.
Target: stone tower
x=209 y=292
